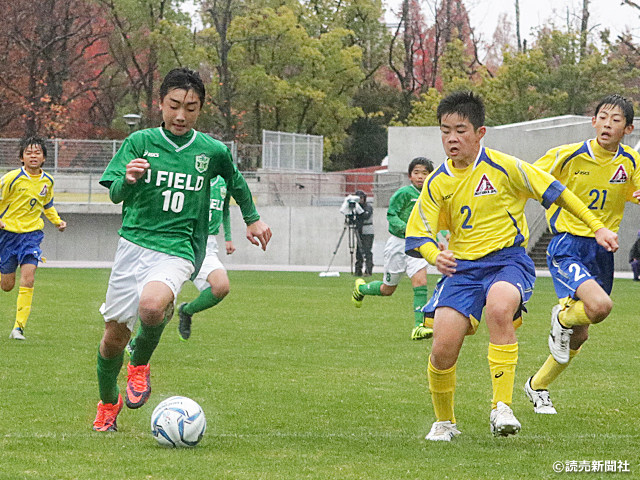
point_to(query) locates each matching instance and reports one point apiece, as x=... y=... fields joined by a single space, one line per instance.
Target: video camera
x=350 y=208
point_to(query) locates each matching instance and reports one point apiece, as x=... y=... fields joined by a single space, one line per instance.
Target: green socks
x=146 y=341
x=419 y=300
x=205 y=300
x=108 y=370
x=371 y=288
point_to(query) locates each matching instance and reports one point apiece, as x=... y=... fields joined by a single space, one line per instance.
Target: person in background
x=364 y=228
x=634 y=257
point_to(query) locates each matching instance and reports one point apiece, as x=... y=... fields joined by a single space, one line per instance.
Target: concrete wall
x=302 y=237
x=526 y=140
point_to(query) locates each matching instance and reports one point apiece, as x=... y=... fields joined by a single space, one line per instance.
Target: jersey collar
x=28 y=175
x=473 y=166
x=166 y=135
x=619 y=152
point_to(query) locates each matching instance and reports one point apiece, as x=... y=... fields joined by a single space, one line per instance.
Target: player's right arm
x=5 y=201
x=397 y=226
x=422 y=226
x=123 y=171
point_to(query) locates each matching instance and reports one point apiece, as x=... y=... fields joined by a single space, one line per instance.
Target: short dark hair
x=428 y=164
x=183 y=79
x=618 y=101
x=28 y=141
x=467 y=104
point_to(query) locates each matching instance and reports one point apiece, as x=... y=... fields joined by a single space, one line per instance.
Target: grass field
x=298 y=384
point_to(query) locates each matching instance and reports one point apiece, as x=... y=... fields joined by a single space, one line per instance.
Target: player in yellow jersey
x=604 y=174
x=24 y=194
x=479 y=195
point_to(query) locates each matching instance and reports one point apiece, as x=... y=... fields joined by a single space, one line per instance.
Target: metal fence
x=279 y=152
x=78 y=156
x=267 y=188
x=295 y=179
x=292 y=151
x=71 y=156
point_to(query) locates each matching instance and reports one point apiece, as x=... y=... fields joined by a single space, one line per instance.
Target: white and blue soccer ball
x=178 y=422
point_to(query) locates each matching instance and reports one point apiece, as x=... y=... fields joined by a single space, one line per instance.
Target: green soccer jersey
x=167 y=210
x=219 y=208
x=400 y=207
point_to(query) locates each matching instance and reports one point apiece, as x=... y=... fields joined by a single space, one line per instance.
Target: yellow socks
x=502 y=363
x=574 y=315
x=550 y=371
x=25 y=295
x=442 y=384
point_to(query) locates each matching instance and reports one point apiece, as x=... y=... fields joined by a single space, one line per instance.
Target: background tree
x=143 y=34
x=53 y=55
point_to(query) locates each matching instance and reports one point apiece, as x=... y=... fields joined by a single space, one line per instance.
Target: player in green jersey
x=396 y=262
x=162 y=175
x=212 y=281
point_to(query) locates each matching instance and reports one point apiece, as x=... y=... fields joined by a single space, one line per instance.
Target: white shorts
x=134 y=267
x=210 y=264
x=396 y=262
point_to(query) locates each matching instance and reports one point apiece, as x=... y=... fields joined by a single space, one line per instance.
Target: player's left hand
x=2 y=225
x=607 y=239
x=259 y=233
x=62 y=225
x=230 y=247
x=636 y=194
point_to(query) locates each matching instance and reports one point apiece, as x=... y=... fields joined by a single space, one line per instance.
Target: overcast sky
x=533 y=13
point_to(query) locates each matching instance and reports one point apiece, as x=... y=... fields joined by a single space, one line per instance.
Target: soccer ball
x=178 y=422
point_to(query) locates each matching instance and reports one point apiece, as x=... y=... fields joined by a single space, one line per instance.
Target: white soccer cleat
x=540 y=399
x=559 y=338
x=17 y=334
x=443 y=432
x=503 y=421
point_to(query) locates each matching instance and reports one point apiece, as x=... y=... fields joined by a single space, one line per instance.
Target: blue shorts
x=573 y=260
x=466 y=291
x=18 y=249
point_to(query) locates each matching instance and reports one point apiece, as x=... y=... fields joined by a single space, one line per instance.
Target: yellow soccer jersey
x=23 y=198
x=482 y=205
x=603 y=180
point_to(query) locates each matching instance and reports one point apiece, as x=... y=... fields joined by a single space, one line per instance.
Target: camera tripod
x=353 y=236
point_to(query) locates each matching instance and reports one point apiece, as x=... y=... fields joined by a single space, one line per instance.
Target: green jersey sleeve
x=226 y=220
x=400 y=206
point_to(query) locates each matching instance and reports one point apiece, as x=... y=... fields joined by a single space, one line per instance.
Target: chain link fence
x=77 y=165
x=292 y=152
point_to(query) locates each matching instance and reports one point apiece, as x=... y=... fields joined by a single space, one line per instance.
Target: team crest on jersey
x=223 y=192
x=620 y=176
x=202 y=163
x=485 y=187
x=44 y=191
